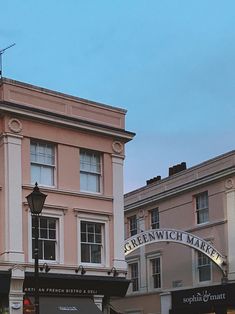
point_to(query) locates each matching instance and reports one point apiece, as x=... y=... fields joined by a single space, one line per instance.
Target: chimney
x=177 y=168
x=155 y=179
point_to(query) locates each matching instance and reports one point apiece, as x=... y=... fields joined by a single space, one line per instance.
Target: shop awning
x=61 y=305
x=76 y=285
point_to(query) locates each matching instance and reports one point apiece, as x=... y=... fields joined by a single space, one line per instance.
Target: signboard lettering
x=172 y=235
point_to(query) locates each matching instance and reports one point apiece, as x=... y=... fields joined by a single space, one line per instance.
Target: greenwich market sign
x=177 y=236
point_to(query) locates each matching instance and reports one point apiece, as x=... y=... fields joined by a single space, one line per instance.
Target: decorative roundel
x=117 y=147
x=141 y=213
x=15 y=125
x=229 y=183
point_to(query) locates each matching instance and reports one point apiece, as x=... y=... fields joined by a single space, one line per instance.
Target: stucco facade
x=75 y=149
x=169 y=276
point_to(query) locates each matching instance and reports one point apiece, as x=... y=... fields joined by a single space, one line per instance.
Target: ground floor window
x=47 y=243
x=91 y=242
x=134 y=272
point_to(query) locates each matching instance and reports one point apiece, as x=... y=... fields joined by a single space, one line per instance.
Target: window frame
x=132 y=231
x=130 y=264
x=57 y=213
x=200 y=255
x=150 y=278
x=94 y=218
x=52 y=166
x=44 y=240
x=89 y=244
x=200 y=211
x=98 y=174
x=151 y=218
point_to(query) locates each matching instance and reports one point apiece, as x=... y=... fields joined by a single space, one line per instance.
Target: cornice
x=181 y=189
x=69 y=192
x=72 y=122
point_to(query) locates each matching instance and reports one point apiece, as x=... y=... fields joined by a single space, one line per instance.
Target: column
x=98 y=300
x=16 y=291
x=118 y=213
x=143 y=261
x=231 y=233
x=165 y=302
x=13 y=198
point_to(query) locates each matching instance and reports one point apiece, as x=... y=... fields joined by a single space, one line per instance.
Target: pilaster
x=231 y=235
x=13 y=198
x=118 y=212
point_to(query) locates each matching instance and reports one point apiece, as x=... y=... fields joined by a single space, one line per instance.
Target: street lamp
x=36 y=201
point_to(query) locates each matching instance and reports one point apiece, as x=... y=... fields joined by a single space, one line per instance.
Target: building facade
x=180 y=241
x=74 y=149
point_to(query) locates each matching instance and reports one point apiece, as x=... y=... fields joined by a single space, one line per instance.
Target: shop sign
x=203 y=297
x=177 y=236
x=62 y=291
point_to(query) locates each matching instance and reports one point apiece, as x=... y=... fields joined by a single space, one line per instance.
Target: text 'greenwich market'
x=172 y=235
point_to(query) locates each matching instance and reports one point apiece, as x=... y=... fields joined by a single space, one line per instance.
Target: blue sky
x=170 y=63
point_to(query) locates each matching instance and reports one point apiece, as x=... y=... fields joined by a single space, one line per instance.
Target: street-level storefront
x=63 y=293
x=5 y=277
x=218 y=299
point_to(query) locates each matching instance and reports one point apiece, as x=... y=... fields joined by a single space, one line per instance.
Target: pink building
x=180 y=241
x=74 y=149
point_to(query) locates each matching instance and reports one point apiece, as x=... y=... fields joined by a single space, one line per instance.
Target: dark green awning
x=63 y=305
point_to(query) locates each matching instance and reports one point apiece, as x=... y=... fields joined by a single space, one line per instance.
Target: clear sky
x=170 y=63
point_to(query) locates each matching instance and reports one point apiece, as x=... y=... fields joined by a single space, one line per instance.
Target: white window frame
x=129 y=263
x=200 y=210
x=198 y=268
x=129 y=225
x=50 y=213
x=151 y=216
x=51 y=166
x=99 y=174
x=95 y=218
x=150 y=258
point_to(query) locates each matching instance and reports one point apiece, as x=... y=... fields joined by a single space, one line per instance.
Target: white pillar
x=165 y=302
x=16 y=291
x=13 y=198
x=231 y=233
x=118 y=212
x=98 y=300
x=143 y=265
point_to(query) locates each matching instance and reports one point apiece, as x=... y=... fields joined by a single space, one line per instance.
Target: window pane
x=52 y=234
x=83 y=226
x=35 y=174
x=49 y=250
x=52 y=223
x=91 y=237
x=47 y=174
x=83 y=237
x=95 y=253
x=43 y=234
x=43 y=222
x=85 y=255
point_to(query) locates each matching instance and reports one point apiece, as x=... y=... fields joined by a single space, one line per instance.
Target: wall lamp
x=113 y=271
x=46 y=267
x=80 y=267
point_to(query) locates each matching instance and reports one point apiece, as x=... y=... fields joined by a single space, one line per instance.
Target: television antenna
x=1 y=53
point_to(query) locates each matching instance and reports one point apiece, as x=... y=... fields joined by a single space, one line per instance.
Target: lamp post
x=36 y=201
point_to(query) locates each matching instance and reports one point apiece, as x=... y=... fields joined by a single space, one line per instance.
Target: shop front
x=62 y=293
x=218 y=299
x=5 y=278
